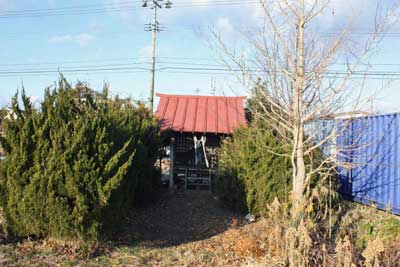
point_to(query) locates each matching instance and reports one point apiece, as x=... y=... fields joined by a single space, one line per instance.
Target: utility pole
x=154 y=27
x=213 y=86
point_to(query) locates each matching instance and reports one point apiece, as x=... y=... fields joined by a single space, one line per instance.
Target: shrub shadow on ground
x=175 y=219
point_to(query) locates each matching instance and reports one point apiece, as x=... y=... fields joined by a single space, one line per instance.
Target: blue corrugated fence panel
x=371 y=145
x=343 y=140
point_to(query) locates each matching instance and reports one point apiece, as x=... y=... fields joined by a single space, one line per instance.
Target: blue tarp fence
x=369 y=152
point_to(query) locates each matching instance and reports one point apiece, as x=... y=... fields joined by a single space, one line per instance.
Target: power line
x=120 y=4
x=180 y=61
x=67 y=7
x=125 y=6
x=194 y=29
x=194 y=70
x=118 y=59
x=74 y=70
x=76 y=12
x=122 y=59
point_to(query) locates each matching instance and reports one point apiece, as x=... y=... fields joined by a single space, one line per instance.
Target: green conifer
x=74 y=167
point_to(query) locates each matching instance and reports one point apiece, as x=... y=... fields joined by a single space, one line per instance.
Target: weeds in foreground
x=263 y=243
x=344 y=252
x=310 y=244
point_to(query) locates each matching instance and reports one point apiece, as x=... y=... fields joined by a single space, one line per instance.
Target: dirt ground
x=181 y=229
x=177 y=219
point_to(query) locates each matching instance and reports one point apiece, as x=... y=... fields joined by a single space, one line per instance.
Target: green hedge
x=251 y=171
x=74 y=167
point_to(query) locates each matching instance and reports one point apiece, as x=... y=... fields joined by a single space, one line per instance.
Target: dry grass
x=238 y=246
x=369 y=237
x=221 y=240
x=391 y=255
x=181 y=230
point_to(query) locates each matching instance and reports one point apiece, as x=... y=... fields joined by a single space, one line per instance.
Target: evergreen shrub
x=75 y=166
x=252 y=171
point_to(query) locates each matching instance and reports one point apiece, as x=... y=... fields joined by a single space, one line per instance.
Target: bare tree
x=301 y=84
x=302 y=79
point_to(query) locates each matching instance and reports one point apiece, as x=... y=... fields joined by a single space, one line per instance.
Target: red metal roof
x=203 y=114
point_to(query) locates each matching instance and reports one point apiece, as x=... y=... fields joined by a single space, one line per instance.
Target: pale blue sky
x=115 y=37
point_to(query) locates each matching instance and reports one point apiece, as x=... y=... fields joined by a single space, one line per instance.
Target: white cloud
x=359 y=14
x=82 y=39
x=224 y=25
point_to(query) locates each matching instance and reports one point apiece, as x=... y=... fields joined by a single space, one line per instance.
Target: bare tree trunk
x=299 y=175
x=299 y=170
